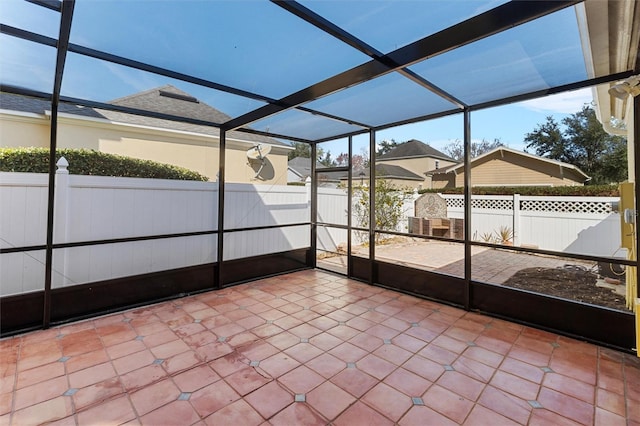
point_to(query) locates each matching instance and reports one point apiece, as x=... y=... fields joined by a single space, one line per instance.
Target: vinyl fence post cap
x=62 y=164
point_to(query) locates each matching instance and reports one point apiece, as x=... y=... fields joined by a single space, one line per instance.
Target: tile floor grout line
x=595 y=390
x=15 y=380
x=625 y=376
x=71 y=399
x=449 y=333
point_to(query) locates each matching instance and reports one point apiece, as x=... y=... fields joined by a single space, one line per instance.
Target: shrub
x=88 y=162
x=389 y=203
x=549 y=191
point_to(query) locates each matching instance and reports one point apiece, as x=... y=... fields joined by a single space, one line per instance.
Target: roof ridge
x=517 y=152
x=414 y=148
x=24 y=103
x=151 y=100
x=144 y=92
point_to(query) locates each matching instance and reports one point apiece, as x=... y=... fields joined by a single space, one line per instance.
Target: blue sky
x=509 y=123
x=265 y=59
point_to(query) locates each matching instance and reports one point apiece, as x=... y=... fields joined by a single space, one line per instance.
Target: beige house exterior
x=396 y=176
x=194 y=147
x=416 y=158
x=405 y=165
x=417 y=165
x=508 y=167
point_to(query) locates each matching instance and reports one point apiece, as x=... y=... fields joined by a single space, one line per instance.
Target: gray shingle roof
x=151 y=100
x=391 y=171
x=171 y=100
x=302 y=166
x=21 y=103
x=414 y=148
x=442 y=170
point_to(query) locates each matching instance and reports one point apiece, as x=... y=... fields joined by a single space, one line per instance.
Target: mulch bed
x=574 y=284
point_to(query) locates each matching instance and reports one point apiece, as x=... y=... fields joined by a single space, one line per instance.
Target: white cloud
x=564 y=103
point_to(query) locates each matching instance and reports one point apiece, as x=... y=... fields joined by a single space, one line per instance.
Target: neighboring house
x=507 y=167
x=396 y=175
x=299 y=169
x=415 y=157
x=24 y=122
x=405 y=165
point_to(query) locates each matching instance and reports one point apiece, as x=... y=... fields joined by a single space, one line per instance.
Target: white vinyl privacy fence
x=584 y=225
x=249 y=206
x=96 y=208
x=333 y=209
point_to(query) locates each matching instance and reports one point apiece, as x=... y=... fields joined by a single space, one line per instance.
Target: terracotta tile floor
x=311 y=348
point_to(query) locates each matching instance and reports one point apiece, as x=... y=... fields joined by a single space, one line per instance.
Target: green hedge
x=87 y=162
x=550 y=191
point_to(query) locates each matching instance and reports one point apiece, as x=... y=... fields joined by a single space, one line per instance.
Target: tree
x=614 y=164
x=326 y=159
x=386 y=146
x=548 y=141
x=342 y=159
x=358 y=162
x=583 y=143
x=455 y=149
x=389 y=208
x=301 y=149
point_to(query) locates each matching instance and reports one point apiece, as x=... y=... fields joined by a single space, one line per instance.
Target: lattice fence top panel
x=455 y=202
x=536 y=205
x=592 y=207
x=494 y=204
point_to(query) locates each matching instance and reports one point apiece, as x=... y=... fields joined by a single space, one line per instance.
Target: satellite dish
x=258 y=152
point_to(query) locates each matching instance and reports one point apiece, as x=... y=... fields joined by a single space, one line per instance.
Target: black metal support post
x=349 y=207
x=467 y=209
x=636 y=169
x=221 y=179
x=63 y=44
x=314 y=209
x=372 y=205
x=636 y=188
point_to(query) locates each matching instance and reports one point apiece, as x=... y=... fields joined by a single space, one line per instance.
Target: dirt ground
x=574 y=284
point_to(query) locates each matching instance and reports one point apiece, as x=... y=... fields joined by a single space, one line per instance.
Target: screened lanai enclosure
x=229 y=89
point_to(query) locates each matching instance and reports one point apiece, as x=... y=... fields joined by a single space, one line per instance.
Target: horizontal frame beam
x=486 y=24
x=130 y=63
x=330 y=28
x=107 y=241
x=144 y=238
